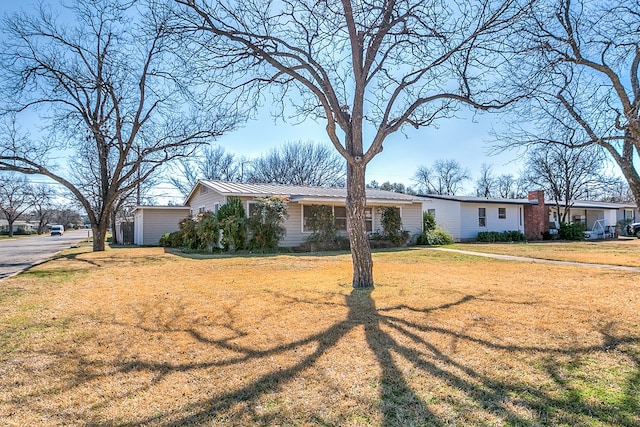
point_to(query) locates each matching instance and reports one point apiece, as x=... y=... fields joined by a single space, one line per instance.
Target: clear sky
x=462 y=139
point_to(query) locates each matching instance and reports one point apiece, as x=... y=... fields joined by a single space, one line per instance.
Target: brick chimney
x=536 y=216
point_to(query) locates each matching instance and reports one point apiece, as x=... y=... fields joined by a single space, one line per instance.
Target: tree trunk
x=625 y=162
x=99 y=235
x=360 y=249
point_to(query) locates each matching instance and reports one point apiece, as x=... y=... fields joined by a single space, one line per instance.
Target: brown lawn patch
x=141 y=337
x=624 y=252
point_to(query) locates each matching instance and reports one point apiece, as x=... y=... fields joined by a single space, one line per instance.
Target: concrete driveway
x=21 y=253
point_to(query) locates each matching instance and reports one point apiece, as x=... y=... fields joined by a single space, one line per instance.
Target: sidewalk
x=539 y=261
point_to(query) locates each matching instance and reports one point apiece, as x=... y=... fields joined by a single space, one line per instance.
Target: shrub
x=208 y=231
x=428 y=221
x=232 y=222
x=322 y=223
x=190 y=238
x=571 y=231
x=437 y=237
x=392 y=226
x=265 y=223
x=172 y=240
x=500 y=236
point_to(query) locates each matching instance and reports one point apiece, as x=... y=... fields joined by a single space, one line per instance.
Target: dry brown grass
x=624 y=251
x=140 y=337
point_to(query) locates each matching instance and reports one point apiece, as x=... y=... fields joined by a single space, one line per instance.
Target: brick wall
x=536 y=216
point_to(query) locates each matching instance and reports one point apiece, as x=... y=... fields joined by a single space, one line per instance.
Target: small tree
x=428 y=221
x=41 y=201
x=14 y=197
x=392 y=225
x=232 y=221
x=265 y=222
x=208 y=231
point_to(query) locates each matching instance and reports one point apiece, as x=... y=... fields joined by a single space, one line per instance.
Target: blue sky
x=464 y=139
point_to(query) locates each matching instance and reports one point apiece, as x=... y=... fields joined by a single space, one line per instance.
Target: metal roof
x=586 y=204
x=300 y=192
x=475 y=199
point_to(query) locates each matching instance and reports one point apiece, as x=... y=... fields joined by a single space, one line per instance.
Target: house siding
x=412 y=218
x=207 y=199
x=448 y=215
x=151 y=224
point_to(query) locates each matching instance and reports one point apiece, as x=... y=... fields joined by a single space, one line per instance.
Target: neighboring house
x=588 y=213
x=465 y=216
x=151 y=222
x=209 y=195
x=17 y=225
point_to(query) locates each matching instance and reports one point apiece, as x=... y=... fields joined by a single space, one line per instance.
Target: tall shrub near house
x=232 y=222
x=392 y=226
x=266 y=222
x=208 y=231
x=430 y=235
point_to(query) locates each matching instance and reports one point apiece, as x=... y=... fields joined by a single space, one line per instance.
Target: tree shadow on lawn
x=391 y=338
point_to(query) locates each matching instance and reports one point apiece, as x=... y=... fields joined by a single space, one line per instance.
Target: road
x=21 y=253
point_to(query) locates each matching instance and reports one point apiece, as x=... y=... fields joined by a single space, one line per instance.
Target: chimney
x=536 y=216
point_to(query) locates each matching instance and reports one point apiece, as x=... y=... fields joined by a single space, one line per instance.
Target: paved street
x=20 y=253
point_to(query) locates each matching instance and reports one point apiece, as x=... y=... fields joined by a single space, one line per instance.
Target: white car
x=57 y=230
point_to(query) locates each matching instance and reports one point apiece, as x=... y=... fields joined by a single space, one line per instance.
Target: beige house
x=210 y=195
x=151 y=222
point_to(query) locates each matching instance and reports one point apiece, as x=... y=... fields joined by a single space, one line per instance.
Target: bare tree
x=110 y=91
x=299 y=163
x=41 y=200
x=366 y=69
x=486 y=183
x=14 y=197
x=566 y=174
x=396 y=187
x=445 y=177
x=510 y=187
x=616 y=190
x=584 y=67
x=211 y=162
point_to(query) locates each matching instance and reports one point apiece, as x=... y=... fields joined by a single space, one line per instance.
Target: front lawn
x=624 y=251
x=142 y=337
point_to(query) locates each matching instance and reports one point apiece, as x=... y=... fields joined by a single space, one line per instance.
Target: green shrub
x=437 y=237
x=571 y=231
x=232 y=222
x=428 y=221
x=190 y=238
x=321 y=222
x=172 y=240
x=392 y=226
x=266 y=223
x=208 y=231
x=500 y=236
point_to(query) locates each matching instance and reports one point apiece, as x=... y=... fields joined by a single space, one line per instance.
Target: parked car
x=57 y=230
x=634 y=229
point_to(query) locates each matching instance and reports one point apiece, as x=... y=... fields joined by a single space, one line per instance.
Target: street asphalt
x=20 y=253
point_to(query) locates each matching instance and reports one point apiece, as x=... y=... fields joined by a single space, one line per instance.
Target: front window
x=339 y=218
x=340 y=215
x=502 y=213
x=482 y=217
